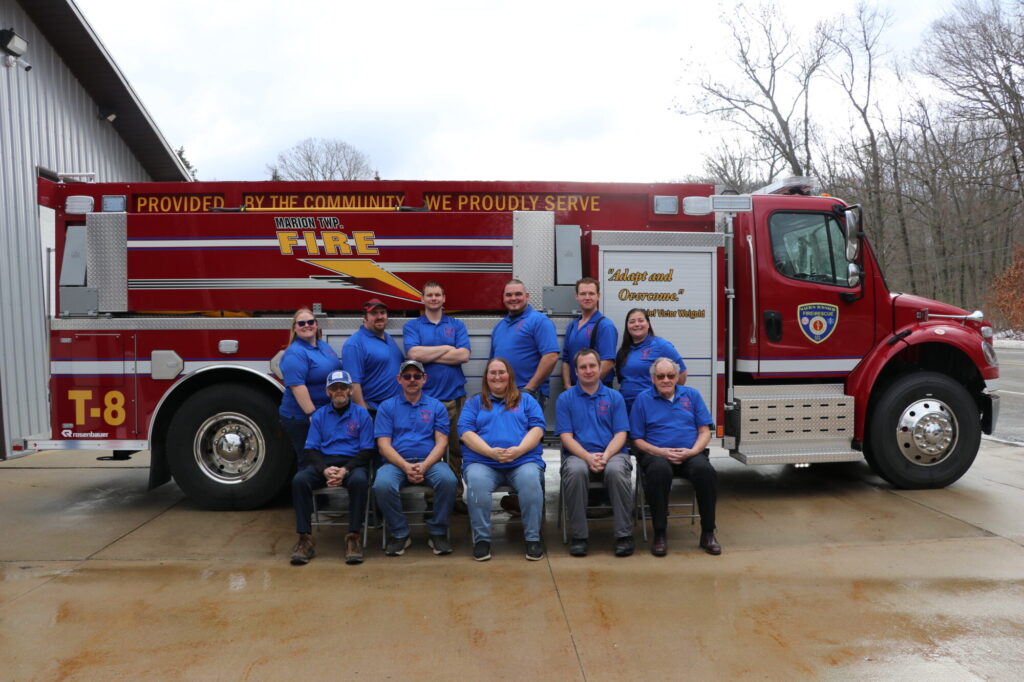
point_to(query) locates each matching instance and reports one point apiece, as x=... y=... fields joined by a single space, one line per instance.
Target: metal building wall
x=46 y=119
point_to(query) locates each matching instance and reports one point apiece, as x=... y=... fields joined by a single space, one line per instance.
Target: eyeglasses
x=412 y=376
x=304 y=323
x=659 y=377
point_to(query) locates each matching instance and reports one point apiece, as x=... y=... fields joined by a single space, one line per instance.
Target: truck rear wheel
x=224 y=448
x=925 y=431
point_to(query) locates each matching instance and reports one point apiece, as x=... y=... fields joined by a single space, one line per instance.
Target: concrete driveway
x=827 y=572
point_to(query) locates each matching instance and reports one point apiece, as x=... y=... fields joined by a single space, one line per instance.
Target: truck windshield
x=809 y=246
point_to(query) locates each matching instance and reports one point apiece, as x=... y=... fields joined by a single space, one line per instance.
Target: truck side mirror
x=852 y=232
x=853 y=275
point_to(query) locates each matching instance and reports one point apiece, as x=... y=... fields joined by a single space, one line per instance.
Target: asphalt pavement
x=1010 y=426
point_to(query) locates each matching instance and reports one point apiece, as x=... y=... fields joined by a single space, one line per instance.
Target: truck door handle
x=773 y=325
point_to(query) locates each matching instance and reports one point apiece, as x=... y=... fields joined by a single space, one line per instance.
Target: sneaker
x=482 y=551
x=659 y=546
x=624 y=546
x=353 y=549
x=440 y=544
x=510 y=503
x=578 y=547
x=534 y=551
x=396 y=546
x=305 y=549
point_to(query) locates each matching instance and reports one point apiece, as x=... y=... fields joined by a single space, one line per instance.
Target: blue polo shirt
x=593 y=420
x=444 y=382
x=411 y=426
x=669 y=424
x=501 y=428
x=340 y=436
x=522 y=341
x=605 y=338
x=306 y=365
x=373 y=363
x=636 y=370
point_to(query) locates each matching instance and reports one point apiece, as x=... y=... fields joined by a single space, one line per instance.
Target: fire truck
x=172 y=305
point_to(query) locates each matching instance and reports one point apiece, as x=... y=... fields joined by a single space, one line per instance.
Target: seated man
x=671 y=427
x=338 y=449
x=591 y=421
x=412 y=435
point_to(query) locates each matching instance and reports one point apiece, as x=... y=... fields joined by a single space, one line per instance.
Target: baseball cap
x=339 y=376
x=411 y=363
x=374 y=303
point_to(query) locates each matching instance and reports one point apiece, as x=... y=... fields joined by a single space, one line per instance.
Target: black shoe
x=534 y=551
x=659 y=546
x=710 y=543
x=440 y=544
x=624 y=546
x=482 y=551
x=396 y=546
x=578 y=547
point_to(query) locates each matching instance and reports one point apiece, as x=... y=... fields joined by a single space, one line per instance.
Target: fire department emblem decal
x=817 y=320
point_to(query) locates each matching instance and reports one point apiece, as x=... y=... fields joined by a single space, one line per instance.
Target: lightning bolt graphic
x=367 y=275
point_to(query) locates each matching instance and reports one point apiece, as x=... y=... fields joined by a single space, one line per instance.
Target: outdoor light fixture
x=107 y=115
x=14 y=46
x=12 y=43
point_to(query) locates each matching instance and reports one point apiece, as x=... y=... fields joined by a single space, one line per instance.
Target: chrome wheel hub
x=229 y=447
x=926 y=432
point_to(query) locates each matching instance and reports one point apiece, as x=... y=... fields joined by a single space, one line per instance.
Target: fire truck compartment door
x=801 y=276
x=674 y=277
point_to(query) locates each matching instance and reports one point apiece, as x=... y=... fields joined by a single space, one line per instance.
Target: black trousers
x=658 y=475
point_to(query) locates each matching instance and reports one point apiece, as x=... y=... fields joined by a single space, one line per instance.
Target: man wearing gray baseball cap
x=338 y=451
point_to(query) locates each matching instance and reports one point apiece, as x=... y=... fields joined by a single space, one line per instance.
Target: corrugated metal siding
x=46 y=119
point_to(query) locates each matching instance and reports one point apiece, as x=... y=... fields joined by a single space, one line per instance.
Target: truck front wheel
x=224 y=448
x=925 y=431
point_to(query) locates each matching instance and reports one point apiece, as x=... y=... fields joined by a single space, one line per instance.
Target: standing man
x=338 y=450
x=412 y=435
x=590 y=330
x=441 y=344
x=527 y=339
x=373 y=358
x=592 y=423
x=671 y=427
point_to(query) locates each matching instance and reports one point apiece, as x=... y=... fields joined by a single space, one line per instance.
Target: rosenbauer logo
x=324 y=238
x=68 y=433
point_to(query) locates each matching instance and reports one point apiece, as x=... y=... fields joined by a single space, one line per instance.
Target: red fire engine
x=173 y=304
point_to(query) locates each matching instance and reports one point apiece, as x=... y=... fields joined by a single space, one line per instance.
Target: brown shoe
x=353 y=548
x=510 y=503
x=305 y=549
x=659 y=545
x=710 y=543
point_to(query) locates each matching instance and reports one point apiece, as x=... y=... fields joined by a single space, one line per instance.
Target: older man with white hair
x=671 y=428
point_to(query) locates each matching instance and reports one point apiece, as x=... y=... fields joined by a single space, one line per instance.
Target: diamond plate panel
x=638 y=238
x=806 y=453
x=789 y=391
x=796 y=419
x=533 y=252
x=107 y=259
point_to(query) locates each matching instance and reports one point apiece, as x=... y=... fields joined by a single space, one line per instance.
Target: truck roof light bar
x=797 y=184
x=79 y=204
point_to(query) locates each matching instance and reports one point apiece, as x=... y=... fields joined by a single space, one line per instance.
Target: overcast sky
x=526 y=90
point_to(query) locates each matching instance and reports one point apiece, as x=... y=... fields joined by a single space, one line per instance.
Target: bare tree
x=771 y=100
x=317 y=158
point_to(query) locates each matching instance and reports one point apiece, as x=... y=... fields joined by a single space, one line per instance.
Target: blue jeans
x=357 y=483
x=388 y=484
x=297 y=429
x=481 y=480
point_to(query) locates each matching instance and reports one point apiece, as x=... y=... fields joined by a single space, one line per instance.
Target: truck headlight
x=990 y=353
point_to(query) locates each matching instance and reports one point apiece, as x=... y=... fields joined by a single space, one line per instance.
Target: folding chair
x=643 y=511
x=337 y=515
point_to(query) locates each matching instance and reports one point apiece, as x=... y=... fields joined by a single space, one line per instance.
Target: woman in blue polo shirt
x=304 y=368
x=641 y=347
x=501 y=428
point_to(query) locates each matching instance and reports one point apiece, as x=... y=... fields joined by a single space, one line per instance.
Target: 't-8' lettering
x=113 y=411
